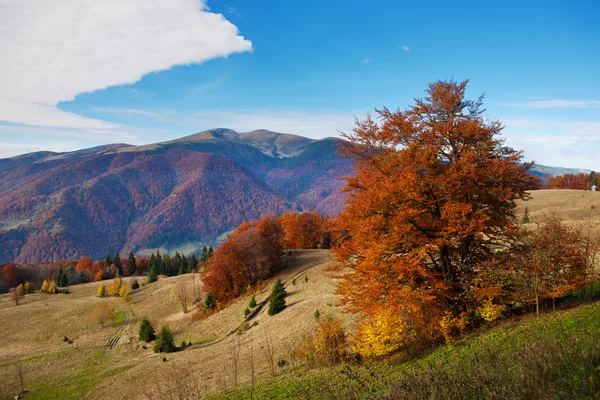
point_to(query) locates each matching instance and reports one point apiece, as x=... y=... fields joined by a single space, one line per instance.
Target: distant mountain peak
x=224 y=133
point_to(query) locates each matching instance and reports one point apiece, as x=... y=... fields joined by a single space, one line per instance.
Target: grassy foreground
x=555 y=356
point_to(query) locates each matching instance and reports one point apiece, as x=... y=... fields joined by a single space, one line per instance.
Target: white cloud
x=313 y=125
x=54 y=50
x=365 y=60
x=574 y=144
x=557 y=103
x=405 y=48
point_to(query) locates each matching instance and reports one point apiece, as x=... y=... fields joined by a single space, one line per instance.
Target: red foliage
x=250 y=254
x=304 y=230
x=570 y=181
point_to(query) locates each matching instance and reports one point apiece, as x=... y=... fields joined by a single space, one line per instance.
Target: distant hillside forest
x=265 y=246
x=166 y=196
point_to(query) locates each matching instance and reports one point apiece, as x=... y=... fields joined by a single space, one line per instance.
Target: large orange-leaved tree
x=430 y=206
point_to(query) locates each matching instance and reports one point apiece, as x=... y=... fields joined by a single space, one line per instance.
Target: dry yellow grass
x=567 y=205
x=33 y=333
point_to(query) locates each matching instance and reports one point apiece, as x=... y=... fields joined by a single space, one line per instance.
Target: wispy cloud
x=405 y=48
x=313 y=125
x=366 y=61
x=233 y=11
x=94 y=45
x=557 y=103
x=573 y=144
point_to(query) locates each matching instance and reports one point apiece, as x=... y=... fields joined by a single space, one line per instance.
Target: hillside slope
x=185 y=192
x=33 y=335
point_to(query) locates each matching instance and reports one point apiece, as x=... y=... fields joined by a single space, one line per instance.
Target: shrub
x=102 y=313
x=246 y=312
x=101 y=290
x=44 y=287
x=209 y=302
x=328 y=345
x=52 y=287
x=164 y=341
x=28 y=288
x=146 y=332
x=277 y=300
x=124 y=290
x=114 y=288
x=252 y=303
x=317 y=314
x=152 y=277
x=135 y=284
x=381 y=334
x=20 y=290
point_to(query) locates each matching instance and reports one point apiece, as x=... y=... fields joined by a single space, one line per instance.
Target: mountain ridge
x=193 y=189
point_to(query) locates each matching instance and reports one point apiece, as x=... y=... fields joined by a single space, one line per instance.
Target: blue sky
x=86 y=73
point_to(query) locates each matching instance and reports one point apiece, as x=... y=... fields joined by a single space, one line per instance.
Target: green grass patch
x=203 y=340
x=555 y=356
x=95 y=370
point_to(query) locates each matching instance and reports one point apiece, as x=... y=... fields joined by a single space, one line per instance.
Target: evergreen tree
x=146 y=332
x=252 y=303
x=178 y=264
x=210 y=252
x=166 y=265
x=118 y=264
x=151 y=261
x=209 y=302
x=192 y=263
x=107 y=262
x=204 y=255
x=131 y=264
x=277 y=300
x=593 y=179
x=164 y=341
x=62 y=280
x=526 y=216
x=135 y=284
x=152 y=275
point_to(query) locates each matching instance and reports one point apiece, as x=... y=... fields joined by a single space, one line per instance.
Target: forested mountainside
x=119 y=197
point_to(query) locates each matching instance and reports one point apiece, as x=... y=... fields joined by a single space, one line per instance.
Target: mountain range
x=175 y=195
x=172 y=195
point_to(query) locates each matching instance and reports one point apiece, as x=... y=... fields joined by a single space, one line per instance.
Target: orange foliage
x=570 y=181
x=99 y=275
x=304 y=230
x=250 y=254
x=84 y=264
x=434 y=190
x=556 y=263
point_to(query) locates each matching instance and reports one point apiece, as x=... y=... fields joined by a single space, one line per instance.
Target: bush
x=277 y=300
x=247 y=312
x=114 y=288
x=209 y=302
x=20 y=290
x=28 y=288
x=101 y=290
x=328 y=345
x=164 y=341
x=102 y=313
x=152 y=277
x=135 y=284
x=146 y=332
x=317 y=314
x=252 y=303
